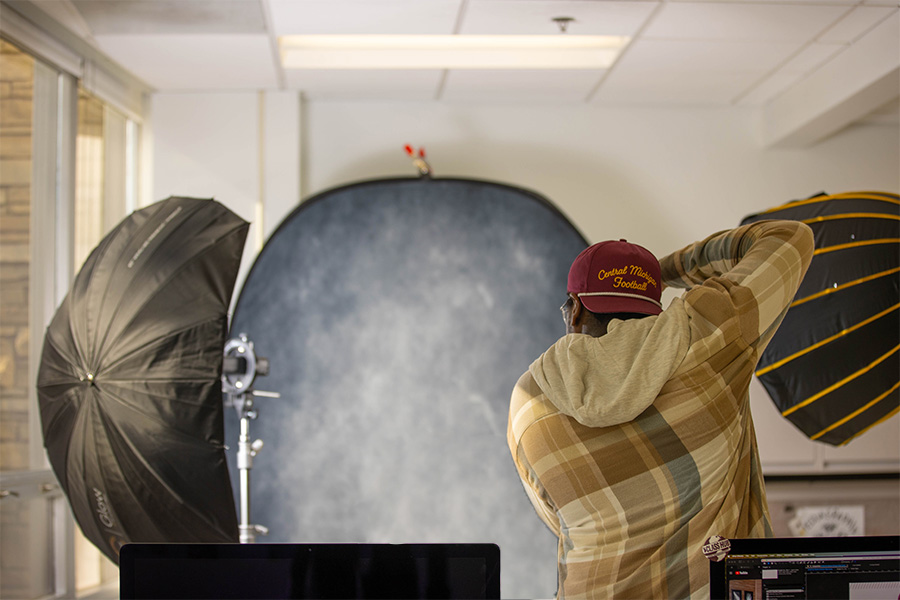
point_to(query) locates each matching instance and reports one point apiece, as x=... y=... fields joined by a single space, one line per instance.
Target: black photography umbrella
x=833 y=368
x=129 y=381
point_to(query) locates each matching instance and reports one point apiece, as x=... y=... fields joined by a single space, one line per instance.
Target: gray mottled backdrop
x=397 y=316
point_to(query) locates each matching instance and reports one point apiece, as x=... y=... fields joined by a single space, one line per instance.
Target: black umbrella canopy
x=832 y=368
x=129 y=381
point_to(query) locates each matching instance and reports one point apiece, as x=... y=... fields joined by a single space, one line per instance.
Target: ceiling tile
x=530 y=17
x=172 y=16
x=690 y=71
x=830 y=2
x=860 y=20
x=207 y=62
x=694 y=88
x=770 y=88
x=65 y=13
x=520 y=86
x=811 y=58
x=742 y=22
x=363 y=16
x=652 y=57
x=836 y=40
x=352 y=84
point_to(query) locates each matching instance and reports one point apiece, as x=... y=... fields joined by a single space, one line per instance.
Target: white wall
x=660 y=177
x=243 y=149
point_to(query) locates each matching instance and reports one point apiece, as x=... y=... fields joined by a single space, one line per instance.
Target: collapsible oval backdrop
x=832 y=368
x=397 y=316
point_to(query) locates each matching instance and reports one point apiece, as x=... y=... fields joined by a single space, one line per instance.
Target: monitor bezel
x=795 y=545
x=131 y=553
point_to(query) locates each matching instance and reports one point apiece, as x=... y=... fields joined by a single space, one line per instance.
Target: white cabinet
x=785 y=450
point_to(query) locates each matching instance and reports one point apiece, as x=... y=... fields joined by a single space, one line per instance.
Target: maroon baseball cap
x=615 y=276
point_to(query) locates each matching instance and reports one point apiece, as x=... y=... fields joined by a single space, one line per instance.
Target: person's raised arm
x=762 y=263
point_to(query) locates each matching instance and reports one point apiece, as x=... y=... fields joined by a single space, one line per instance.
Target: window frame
x=62 y=62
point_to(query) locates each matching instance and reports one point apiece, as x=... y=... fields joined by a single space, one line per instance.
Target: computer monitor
x=854 y=568
x=274 y=571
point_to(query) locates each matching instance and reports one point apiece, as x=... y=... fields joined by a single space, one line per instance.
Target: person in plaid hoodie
x=632 y=434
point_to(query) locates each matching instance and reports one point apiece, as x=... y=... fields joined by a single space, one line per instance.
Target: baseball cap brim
x=619 y=304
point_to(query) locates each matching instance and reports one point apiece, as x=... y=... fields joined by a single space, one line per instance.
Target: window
x=16 y=97
x=25 y=519
x=101 y=135
x=67 y=176
x=89 y=151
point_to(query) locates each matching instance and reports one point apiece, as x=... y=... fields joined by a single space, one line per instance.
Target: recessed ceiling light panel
x=450 y=51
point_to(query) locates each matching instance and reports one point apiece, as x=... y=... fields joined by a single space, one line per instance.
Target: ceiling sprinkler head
x=563 y=23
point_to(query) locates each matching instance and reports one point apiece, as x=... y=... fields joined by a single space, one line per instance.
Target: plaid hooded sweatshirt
x=637 y=446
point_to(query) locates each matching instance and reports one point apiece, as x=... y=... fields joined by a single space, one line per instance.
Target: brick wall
x=16 y=90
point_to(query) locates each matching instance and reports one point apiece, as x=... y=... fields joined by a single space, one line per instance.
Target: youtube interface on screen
x=850 y=575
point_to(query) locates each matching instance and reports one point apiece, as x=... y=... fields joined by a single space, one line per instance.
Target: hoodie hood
x=609 y=380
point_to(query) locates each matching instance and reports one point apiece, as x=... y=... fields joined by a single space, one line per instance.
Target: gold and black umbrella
x=833 y=368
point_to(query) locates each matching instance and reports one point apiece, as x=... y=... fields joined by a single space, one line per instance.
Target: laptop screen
x=815 y=567
x=170 y=571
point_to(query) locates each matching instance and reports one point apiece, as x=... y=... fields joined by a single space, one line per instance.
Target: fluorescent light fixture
x=562 y=51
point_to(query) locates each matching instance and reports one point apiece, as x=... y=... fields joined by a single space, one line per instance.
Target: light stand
x=240 y=368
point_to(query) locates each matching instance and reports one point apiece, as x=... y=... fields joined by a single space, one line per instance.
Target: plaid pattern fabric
x=633 y=502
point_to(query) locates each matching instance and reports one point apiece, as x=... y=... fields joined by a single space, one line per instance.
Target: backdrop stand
x=240 y=368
